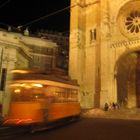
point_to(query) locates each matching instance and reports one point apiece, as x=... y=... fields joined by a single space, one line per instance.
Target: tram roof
x=36 y=75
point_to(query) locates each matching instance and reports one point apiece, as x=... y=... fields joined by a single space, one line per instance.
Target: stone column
x=105 y=68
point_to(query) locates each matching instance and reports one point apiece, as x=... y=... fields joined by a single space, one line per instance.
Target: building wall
x=62 y=41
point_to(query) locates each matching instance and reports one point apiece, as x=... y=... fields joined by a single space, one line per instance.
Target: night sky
x=21 y=12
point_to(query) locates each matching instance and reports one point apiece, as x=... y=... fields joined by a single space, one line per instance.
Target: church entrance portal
x=128 y=80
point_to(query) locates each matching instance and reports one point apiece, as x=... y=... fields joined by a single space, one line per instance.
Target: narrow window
x=94 y=34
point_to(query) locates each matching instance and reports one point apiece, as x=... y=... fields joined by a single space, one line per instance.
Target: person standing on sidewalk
x=106 y=106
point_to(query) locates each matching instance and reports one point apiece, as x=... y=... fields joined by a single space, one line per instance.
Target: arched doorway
x=128 y=80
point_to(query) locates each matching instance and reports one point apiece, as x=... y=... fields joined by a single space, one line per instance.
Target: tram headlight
x=37 y=85
x=17 y=90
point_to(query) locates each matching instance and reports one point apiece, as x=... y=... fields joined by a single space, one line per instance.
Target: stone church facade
x=105 y=51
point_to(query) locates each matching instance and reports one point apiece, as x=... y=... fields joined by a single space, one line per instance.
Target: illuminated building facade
x=105 y=51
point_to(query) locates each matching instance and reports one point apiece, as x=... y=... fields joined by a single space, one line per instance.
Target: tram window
x=50 y=99
x=62 y=94
x=60 y=97
x=74 y=95
x=50 y=91
x=69 y=95
x=50 y=94
x=59 y=94
x=66 y=95
x=19 y=93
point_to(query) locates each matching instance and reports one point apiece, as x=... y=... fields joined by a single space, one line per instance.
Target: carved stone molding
x=127 y=44
x=76 y=37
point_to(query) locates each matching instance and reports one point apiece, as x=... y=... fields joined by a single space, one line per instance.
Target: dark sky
x=20 y=12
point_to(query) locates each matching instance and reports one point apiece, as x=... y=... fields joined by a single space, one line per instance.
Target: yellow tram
x=39 y=98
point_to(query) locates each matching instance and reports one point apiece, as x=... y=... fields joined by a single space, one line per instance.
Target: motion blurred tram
x=38 y=98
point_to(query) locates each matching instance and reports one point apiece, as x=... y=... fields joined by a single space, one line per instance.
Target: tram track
x=11 y=131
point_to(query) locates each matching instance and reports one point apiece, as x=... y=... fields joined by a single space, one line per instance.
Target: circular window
x=133 y=22
x=129 y=19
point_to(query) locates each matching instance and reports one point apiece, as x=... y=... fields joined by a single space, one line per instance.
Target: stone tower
x=104 y=51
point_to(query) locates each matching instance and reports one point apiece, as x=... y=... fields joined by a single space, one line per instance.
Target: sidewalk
x=133 y=114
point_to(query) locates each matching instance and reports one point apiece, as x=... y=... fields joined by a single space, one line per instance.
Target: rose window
x=132 y=22
x=128 y=20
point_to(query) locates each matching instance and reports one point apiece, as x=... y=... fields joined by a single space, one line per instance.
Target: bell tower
x=84 y=63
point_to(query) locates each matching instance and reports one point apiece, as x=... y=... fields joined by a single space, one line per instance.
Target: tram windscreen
x=26 y=92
